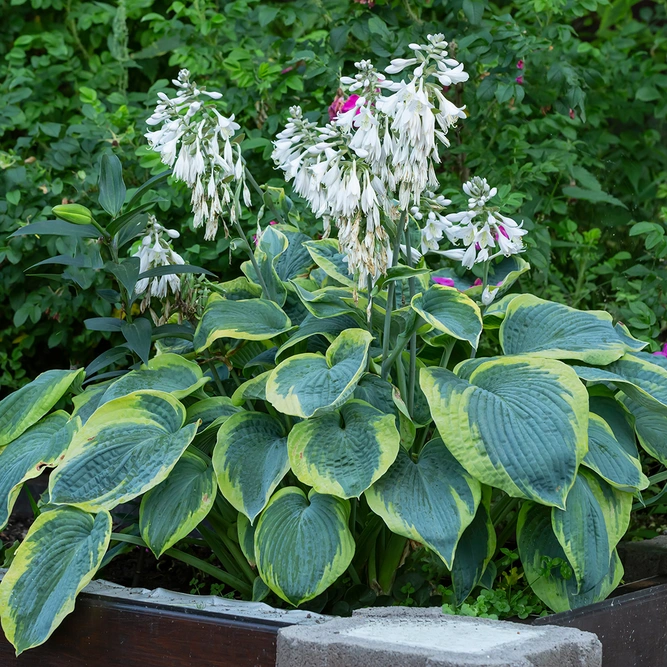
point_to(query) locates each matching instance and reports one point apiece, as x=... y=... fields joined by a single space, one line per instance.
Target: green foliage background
x=581 y=140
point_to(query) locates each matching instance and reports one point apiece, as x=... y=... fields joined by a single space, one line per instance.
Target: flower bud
x=75 y=213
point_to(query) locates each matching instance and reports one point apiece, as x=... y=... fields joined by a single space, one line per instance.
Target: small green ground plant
x=346 y=407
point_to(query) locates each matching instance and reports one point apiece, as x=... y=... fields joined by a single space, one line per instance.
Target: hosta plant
x=342 y=404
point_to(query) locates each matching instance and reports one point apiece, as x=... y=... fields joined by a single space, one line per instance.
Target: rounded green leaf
x=607 y=457
x=209 y=410
x=170 y=373
x=246 y=534
x=128 y=446
x=23 y=408
x=250 y=459
x=342 y=453
x=303 y=544
x=556 y=586
x=174 y=508
x=431 y=501
x=555 y=331
x=244 y=319
x=26 y=457
x=255 y=388
x=450 y=311
x=596 y=518
x=517 y=423
x=308 y=384
x=59 y=556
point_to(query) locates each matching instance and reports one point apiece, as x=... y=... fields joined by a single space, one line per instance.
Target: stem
x=369 y=308
x=412 y=372
x=216 y=377
x=386 y=334
x=259 y=191
x=447 y=353
x=193 y=561
x=485 y=279
x=253 y=260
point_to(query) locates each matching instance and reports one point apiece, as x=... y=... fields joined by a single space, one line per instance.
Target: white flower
x=155 y=250
x=195 y=139
x=489 y=294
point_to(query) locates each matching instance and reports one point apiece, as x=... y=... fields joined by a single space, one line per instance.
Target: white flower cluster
x=195 y=139
x=434 y=224
x=377 y=155
x=155 y=250
x=482 y=229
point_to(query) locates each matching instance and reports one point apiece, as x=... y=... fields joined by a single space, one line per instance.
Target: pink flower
x=663 y=352
x=336 y=105
x=519 y=80
x=349 y=103
x=572 y=114
x=519 y=64
x=477 y=282
x=273 y=222
x=448 y=282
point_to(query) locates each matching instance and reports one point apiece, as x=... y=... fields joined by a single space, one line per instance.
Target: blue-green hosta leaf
x=26 y=457
x=555 y=331
x=596 y=518
x=246 y=534
x=537 y=542
x=210 y=410
x=328 y=301
x=327 y=255
x=517 y=423
x=638 y=375
x=250 y=460
x=308 y=384
x=296 y=260
x=174 y=508
x=607 y=457
x=432 y=501
x=618 y=419
x=451 y=312
x=88 y=401
x=631 y=343
x=239 y=288
x=59 y=556
x=651 y=427
x=127 y=447
x=170 y=373
x=23 y=408
x=343 y=452
x=270 y=246
x=255 y=388
x=244 y=319
x=328 y=327
x=303 y=544
x=474 y=551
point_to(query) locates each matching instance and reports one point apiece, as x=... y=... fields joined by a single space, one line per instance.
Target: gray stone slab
x=406 y=637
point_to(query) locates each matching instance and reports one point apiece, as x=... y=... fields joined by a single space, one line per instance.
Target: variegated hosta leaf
x=303 y=544
x=89 y=400
x=59 y=556
x=431 y=501
x=328 y=301
x=536 y=541
x=596 y=518
x=327 y=255
x=517 y=423
x=174 y=508
x=208 y=410
x=552 y=330
x=244 y=319
x=127 y=447
x=343 y=452
x=246 y=534
x=474 y=551
x=308 y=384
x=651 y=427
x=27 y=456
x=250 y=459
x=170 y=373
x=607 y=457
x=296 y=260
x=270 y=246
x=328 y=327
x=26 y=406
x=255 y=388
x=451 y=312
x=638 y=375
